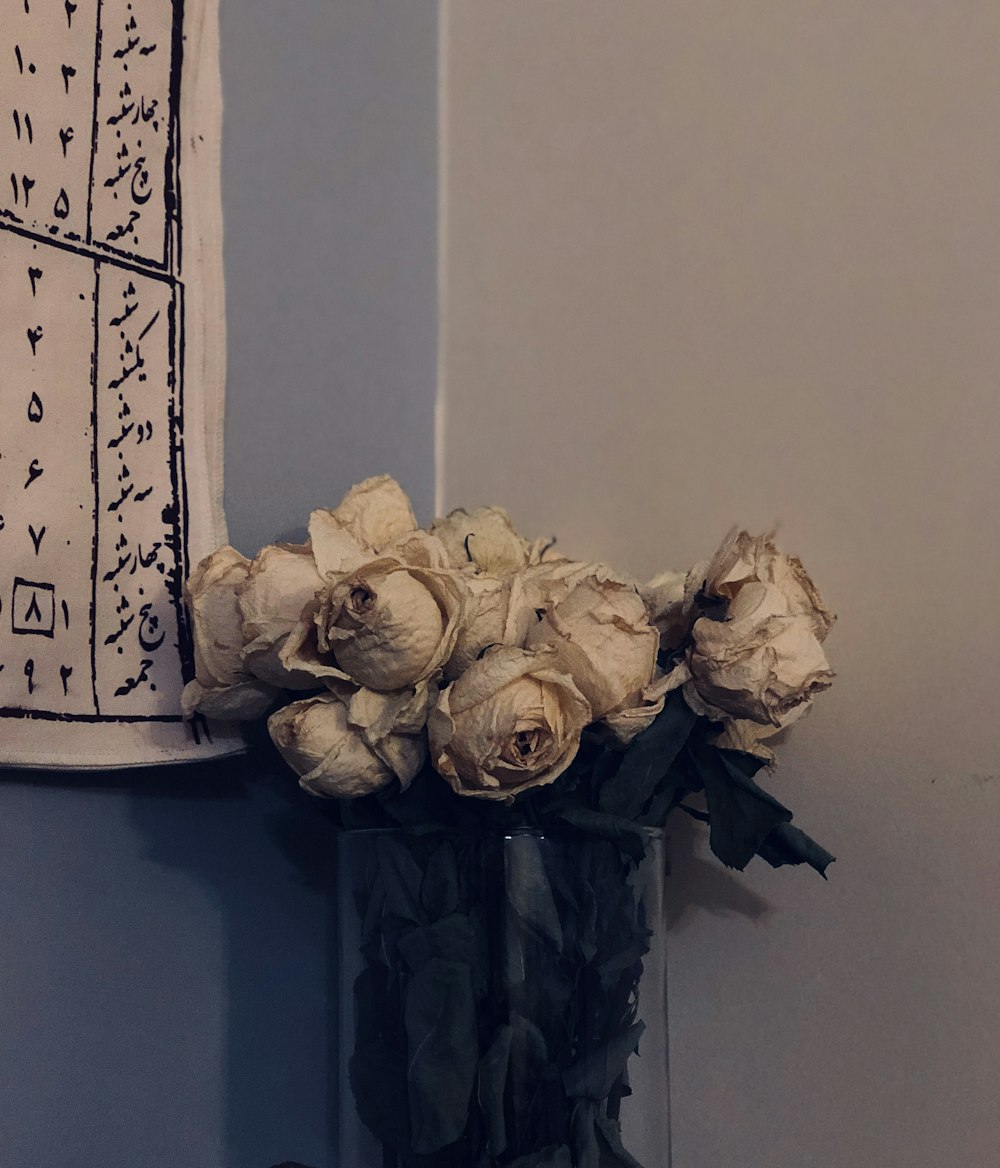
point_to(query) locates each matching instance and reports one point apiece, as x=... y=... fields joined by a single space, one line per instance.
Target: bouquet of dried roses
x=467 y=695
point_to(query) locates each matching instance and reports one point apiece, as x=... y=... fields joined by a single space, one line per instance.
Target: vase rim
x=555 y=832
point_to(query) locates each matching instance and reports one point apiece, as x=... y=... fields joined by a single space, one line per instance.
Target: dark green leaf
x=552 y=1157
x=529 y=1061
x=742 y=815
x=701 y=816
x=373 y=911
x=613 y=1152
x=378 y=1081
x=442 y=1044
x=788 y=845
x=370 y=988
x=439 y=891
x=492 y=1080
x=593 y=1076
x=648 y=760
x=586 y=1149
x=401 y=876
x=612 y=967
x=629 y=836
x=528 y=888
x=450 y=939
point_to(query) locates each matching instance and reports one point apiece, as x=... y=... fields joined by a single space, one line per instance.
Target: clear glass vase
x=502 y=1000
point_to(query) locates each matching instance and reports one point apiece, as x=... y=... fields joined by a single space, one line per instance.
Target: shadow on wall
x=266 y=856
x=166 y=967
x=699 y=884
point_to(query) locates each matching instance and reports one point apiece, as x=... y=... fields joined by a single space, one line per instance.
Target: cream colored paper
x=112 y=361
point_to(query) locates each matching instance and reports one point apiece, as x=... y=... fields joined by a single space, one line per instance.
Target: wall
x=164 y=968
x=330 y=189
x=710 y=263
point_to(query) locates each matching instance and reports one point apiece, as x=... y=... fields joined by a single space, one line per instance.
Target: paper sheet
x=112 y=361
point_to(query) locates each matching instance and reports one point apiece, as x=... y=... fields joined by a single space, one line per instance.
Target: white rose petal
x=336 y=549
x=512 y=721
x=670 y=602
x=210 y=594
x=485 y=623
x=420 y=549
x=604 y=641
x=368 y=519
x=331 y=757
x=281 y=581
x=743 y=558
x=385 y=626
x=222 y=688
x=762 y=663
x=242 y=701
x=484 y=537
x=377 y=511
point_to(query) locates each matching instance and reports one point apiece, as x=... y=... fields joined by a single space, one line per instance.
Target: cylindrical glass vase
x=502 y=1000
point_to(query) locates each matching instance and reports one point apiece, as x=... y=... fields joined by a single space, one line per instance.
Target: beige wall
x=713 y=262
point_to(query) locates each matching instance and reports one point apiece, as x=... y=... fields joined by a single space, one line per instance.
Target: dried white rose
x=500 y=611
x=370 y=517
x=485 y=623
x=419 y=548
x=384 y=626
x=392 y=724
x=484 y=537
x=744 y=558
x=512 y=721
x=762 y=663
x=222 y=688
x=336 y=756
x=547 y=583
x=670 y=602
x=281 y=581
x=503 y=609
x=604 y=641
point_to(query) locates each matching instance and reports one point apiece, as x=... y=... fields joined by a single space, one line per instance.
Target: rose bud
x=512 y=721
x=419 y=548
x=384 y=626
x=281 y=581
x=318 y=740
x=488 y=609
x=484 y=537
x=221 y=688
x=670 y=602
x=763 y=663
x=369 y=517
x=744 y=559
x=604 y=641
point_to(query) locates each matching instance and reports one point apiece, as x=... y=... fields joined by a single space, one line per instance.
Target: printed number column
x=47 y=103
x=47 y=310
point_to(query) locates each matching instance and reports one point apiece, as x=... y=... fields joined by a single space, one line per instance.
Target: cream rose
x=370 y=517
x=604 y=641
x=485 y=623
x=512 y=721
x=762 y=663
x=281 y=581
x=670 y=602
x=500 y=610
x=342 y=753
x=222 y=688
x=503 y=609
x=743 y=559
x=486 y=538
x=384 y=626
